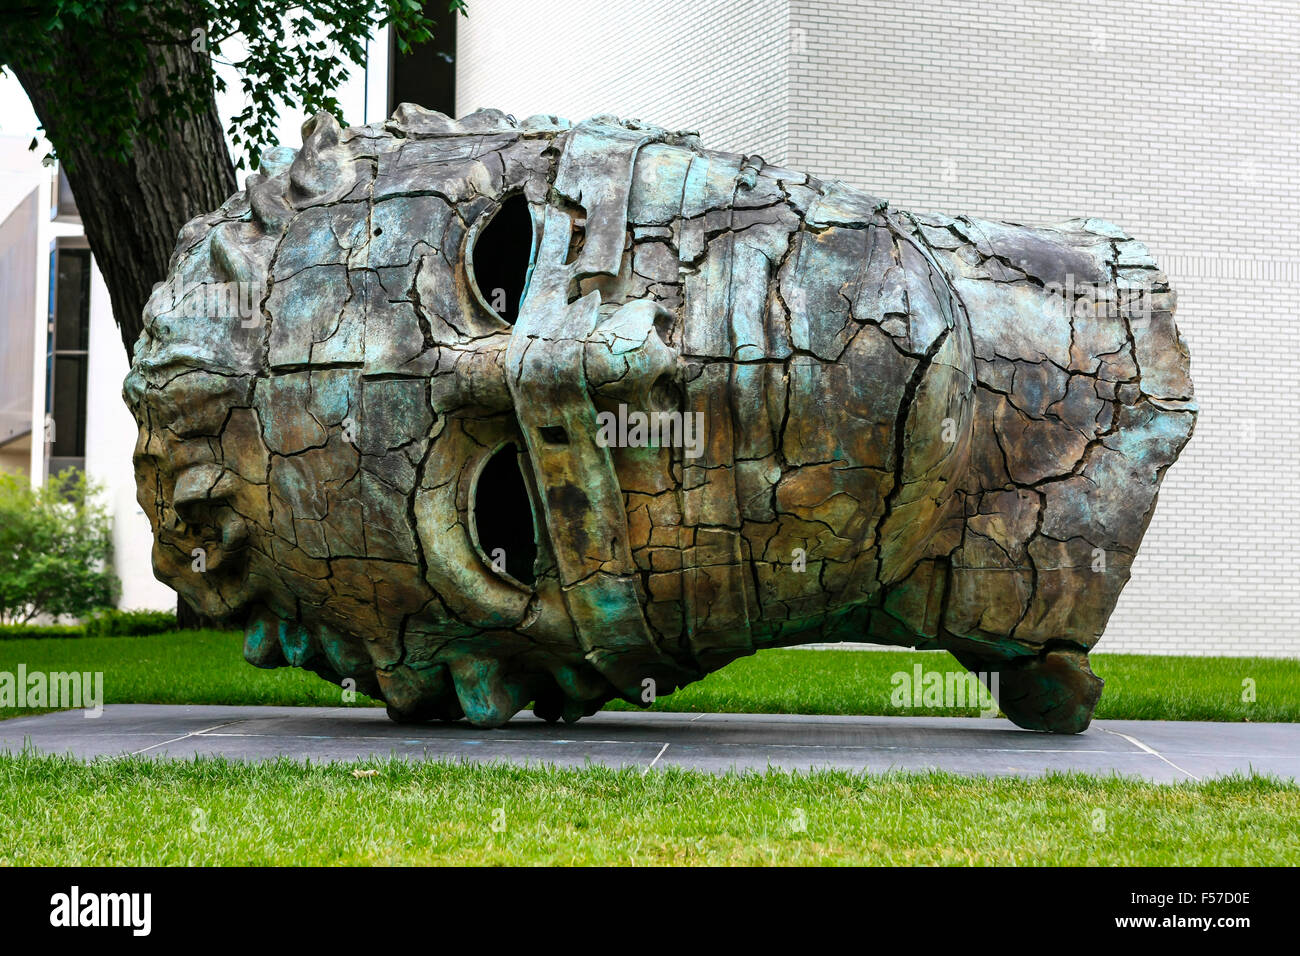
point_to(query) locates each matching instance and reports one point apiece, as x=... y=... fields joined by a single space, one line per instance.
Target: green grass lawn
x=55 y=810
x=206 y=667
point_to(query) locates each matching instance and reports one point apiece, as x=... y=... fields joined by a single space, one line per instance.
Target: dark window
x=426 y=75
x=72 y=301
x=68 y=361
x=69 y=406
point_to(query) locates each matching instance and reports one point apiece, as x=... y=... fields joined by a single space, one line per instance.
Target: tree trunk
x=132 y=210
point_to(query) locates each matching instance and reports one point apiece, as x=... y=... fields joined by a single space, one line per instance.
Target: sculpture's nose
x=526 y=399
x=626 y=357
x=200 y=514
x=472 y=379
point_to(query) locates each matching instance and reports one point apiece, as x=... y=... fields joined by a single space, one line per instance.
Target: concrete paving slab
x=1162 y=751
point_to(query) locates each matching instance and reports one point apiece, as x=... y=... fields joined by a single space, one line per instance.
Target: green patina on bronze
x=916 y=430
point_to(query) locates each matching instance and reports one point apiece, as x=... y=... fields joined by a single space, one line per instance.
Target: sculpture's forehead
x=457 y=168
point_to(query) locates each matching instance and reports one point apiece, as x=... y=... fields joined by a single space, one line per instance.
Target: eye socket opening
x=501 y=512
x=501 y=256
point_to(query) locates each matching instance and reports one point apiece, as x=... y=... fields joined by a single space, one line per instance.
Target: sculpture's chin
x=219 y=610
x=218 y=588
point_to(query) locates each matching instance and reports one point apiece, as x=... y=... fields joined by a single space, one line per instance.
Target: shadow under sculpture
x=468 y=414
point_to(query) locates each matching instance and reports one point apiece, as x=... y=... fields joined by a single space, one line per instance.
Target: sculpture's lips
x=161 y=362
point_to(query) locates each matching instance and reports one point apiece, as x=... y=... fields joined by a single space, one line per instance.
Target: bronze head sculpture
x=479 y=412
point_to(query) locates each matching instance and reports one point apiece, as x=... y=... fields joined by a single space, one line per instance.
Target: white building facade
x=64 y=364
x=1177 y=119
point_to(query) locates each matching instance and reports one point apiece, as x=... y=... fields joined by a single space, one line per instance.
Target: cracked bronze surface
x=916 y=430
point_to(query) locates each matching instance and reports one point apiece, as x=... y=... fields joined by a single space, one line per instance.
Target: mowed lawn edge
x=207 y=667
x=215 y=812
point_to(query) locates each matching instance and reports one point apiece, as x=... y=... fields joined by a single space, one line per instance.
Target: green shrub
x=111 y=622
x=8 y=631
x=106 y=622
x=56 y=548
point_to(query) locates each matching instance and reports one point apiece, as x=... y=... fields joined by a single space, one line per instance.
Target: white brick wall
x=674 y=63
x=1178 y=120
